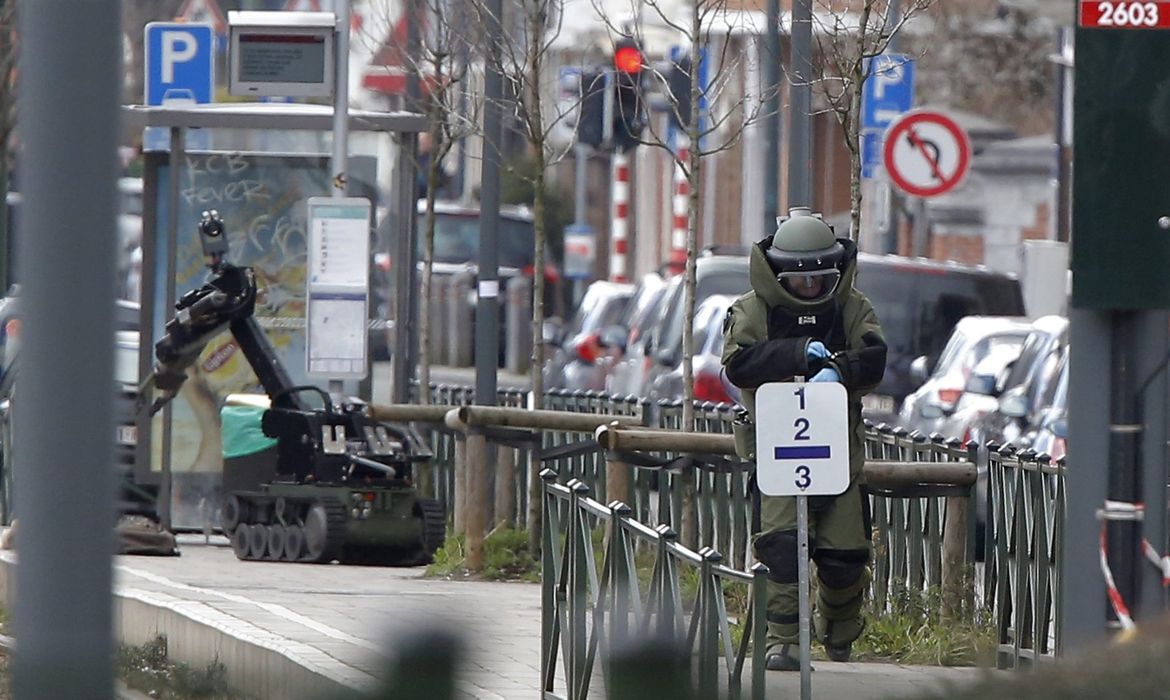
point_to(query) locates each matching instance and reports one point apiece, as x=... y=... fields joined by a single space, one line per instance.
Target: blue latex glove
x=827 y=374
x=817 y=351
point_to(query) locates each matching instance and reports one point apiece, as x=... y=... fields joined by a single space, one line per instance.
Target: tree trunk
x=539 y=144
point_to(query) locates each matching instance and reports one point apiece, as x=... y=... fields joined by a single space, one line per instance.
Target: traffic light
x=678 y=84
x=629 y=114
x=591 y=109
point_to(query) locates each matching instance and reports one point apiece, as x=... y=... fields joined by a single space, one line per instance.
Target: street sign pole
x=807 y=454
x=805 y=603
x=340 y=158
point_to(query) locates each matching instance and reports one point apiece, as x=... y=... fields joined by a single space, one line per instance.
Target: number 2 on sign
x=803 y=473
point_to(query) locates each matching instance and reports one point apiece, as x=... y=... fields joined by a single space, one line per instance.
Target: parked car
x=918 y=302
x=1052 y=429
x=973 y=339
x=456 y=250
x=1019 y=405
x=578 y=361
x=716 y=274
x=981 y=393
x=628 y=338
x=710 y=381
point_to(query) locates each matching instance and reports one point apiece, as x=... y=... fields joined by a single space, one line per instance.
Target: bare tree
x=846 y=41
x=703 y=93
x=530 y=28
x=993 y=65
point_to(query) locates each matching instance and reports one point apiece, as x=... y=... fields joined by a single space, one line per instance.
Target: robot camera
x=212 y=236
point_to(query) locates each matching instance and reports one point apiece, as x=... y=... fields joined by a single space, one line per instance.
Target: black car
x=918 y=302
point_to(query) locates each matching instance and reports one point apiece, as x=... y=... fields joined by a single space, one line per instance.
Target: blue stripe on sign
x=810 y=452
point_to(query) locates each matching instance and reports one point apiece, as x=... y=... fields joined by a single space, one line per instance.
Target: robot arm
x=227 y=300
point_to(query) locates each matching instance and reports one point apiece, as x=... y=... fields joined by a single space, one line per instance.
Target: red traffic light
x=627 y=58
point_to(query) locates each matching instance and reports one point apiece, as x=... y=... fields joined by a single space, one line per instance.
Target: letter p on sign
x=177 y=47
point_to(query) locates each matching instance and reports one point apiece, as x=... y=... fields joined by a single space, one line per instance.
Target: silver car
x=580 y=360
x=972 y=340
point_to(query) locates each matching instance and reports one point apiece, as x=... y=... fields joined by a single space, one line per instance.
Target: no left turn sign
x=926 y=153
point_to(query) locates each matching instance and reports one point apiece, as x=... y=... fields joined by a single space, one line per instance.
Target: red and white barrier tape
x=1127 y=511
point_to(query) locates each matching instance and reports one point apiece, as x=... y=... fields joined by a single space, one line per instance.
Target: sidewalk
x=305 y=632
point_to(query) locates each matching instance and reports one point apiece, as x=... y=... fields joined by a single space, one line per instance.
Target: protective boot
x=838 y=621
x=784 y=659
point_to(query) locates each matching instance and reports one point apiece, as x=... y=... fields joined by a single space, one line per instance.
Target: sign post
x=888 y=92
x=926 y=153
x=180 y=71
x=802 y=450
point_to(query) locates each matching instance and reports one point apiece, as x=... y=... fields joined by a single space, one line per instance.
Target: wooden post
x=957 y=593
x=460 y=525
x=505 y=505
x=617 y=472
x=476 y=499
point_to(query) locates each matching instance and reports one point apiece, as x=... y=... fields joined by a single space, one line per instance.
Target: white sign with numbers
x=802 y=439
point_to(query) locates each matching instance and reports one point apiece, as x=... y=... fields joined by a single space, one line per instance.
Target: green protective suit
x=767 y=333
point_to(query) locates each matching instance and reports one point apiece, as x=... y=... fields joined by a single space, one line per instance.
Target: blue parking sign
x=888 y=90
x=180 y=70
x=180 y=62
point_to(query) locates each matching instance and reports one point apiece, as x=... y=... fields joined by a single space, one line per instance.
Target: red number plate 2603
x=1122 y=14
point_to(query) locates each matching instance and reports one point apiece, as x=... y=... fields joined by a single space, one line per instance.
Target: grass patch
x=918 y=627
x=506 y=557
x=147 y=669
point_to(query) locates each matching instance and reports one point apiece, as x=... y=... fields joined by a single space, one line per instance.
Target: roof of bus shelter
x=267 y=115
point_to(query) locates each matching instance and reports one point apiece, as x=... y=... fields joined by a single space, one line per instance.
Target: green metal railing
x=1027 y=500
x=700 y=505
x=587 y=609
x=908 y=529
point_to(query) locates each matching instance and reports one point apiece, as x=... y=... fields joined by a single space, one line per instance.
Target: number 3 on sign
x=802 y=439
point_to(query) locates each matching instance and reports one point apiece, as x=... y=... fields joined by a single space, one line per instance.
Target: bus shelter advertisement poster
x=262 y=201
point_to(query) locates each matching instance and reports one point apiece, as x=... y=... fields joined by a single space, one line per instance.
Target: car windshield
x=603 y=305
x=457 y=239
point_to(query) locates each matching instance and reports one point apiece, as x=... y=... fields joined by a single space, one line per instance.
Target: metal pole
x=581 y=174
x=404 y=280
x=771 y=61
x=581 y=162
x=805 y=604
x=487 y=307
x=487 y=303
x=800 y=92
x=1063 y=132
x=1151 y=353
x=1123 y=536
x=340 y=161
x=175 y=159
x=341 y=101
x=71 y=77
x=1082 y=600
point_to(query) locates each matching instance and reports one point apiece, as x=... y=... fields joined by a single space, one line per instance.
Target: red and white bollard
x=619 y=227
x=679 y=209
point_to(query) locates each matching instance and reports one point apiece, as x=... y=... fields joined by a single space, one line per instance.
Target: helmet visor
x=810 y=285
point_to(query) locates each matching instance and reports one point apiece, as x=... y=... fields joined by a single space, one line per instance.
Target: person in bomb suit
x=805 y=318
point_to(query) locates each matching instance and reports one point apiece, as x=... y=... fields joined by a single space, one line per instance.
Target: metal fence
x=1026 y=501
x=693 y=510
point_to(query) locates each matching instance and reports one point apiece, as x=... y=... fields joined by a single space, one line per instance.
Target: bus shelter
x=258 y=181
